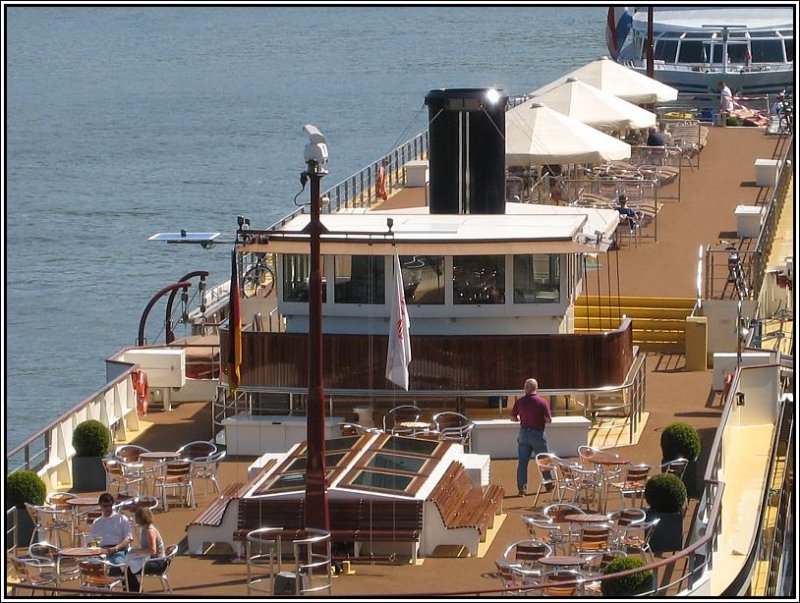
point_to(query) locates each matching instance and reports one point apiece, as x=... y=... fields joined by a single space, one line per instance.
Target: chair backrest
x=594 y=537
x=555 y=589
x=129 y=505
x=676 y=466
x=453 y=426
x=547 y=462
x=178 y=469
x=637 y=473
x=96 y=573
x=350 y=429
x=399 y=414
x=129 y=453
x=588 y=452
x=43 y=550
x=197 y=449
x=59 y=499
x=114 y=469
x=628 y=516
x=527 y=552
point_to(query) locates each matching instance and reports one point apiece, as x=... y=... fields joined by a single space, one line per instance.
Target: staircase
x=658 y=322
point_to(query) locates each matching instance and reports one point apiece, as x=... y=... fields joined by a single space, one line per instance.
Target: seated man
x=628 y=214
x=112 y=529
x=656 y=138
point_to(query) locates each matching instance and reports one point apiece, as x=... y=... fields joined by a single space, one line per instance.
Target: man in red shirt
x=533 y=413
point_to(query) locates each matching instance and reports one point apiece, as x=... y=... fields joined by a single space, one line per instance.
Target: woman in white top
x=151 y=545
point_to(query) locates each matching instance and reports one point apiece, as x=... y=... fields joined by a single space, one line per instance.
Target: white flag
x=398 y=356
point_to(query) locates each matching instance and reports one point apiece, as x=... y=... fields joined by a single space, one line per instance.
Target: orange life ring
x=380 y=183
x=140 y=387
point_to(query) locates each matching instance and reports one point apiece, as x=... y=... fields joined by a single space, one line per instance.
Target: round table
x=587 y=518
x=604 y=462
x=160 y=456
x=82 y=551
x=84 y=502
x=562 y=561
x=415 y=426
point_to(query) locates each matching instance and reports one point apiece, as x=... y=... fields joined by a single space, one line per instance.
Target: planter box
x=668 y=534
x=25 y=527
x=88 y=474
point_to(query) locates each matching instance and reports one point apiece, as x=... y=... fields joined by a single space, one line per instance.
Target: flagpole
x=316 y=505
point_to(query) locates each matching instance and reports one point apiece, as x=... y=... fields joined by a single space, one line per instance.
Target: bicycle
x=258 y=280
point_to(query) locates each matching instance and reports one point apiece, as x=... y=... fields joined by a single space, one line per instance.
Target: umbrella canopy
x=594 y=107
x=537 y=135
x=618 y=80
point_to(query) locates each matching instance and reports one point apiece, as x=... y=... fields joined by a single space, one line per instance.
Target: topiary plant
x=680 y=440
x=626 y=586
x=665 y=493
x=91 y=438
x=25 y=487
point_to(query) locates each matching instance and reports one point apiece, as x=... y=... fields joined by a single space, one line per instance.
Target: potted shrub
x=682 y=440
x=24 y=487
x=91 y=441
x=626 y=586
x=666 y=497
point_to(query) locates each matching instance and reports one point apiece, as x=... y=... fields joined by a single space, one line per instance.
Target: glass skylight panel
x=392 y=482
x=396 y=462
x=411 y=445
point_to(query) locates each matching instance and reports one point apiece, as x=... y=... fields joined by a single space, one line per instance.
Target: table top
x=84 y=502
x=587 y=518
x=561 y=560
x=82 y=551
x=608 y=460
x=415 y=424
x=171 y=454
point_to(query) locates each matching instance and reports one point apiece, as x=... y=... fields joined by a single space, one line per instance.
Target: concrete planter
x=668 y=534
x=25 y=527
x=88 y=474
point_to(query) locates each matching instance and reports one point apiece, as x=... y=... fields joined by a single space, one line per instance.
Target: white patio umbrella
x=594 y=107
x=618 y=80
x=537 y=135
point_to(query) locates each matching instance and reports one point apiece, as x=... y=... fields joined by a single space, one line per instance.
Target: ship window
x=738 y=34
x=736 y=52
x=479 y=279
x=537 y=279
x=359 y=279
x=422 y=278
x=296 y=269
x=789 y=46
x=767 y=51
x=666 y=50
x=692 y=51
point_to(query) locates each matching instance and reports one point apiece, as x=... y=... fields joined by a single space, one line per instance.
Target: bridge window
x=479 y=279
x=359 y=279
x=789 y=47
x=296 y=269
x=537 y=279
x=423 y=278
x=666 y=50
x=767 y=51
x=692 y=51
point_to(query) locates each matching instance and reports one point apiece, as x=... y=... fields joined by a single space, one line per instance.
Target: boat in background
x=751 y=49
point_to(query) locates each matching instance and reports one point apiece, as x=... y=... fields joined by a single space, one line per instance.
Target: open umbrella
x=537 y=135
x=594 y=107
x=618 y=80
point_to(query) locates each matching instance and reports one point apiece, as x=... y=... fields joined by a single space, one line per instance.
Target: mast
x=650 y=53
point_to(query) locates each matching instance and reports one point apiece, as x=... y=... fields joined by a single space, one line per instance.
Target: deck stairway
x=658 y=322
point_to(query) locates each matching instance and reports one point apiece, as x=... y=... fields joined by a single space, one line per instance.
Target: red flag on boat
x=234 y=329
x=398 y=356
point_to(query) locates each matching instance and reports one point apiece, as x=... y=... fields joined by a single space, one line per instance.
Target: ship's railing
x=360 y=189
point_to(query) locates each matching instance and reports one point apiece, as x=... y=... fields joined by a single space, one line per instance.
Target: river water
x=127 y=121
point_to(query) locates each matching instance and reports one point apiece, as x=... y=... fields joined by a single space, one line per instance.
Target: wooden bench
x=461 y=504
x=213 y=513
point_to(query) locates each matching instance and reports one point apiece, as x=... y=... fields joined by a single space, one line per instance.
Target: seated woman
x=151 y=545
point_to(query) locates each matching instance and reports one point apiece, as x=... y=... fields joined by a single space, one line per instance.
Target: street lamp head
x=316 y=150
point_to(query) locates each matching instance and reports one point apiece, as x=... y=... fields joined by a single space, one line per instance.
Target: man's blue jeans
x=529 y=441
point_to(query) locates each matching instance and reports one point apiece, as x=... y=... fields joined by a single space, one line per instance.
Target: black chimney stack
x=467 y=128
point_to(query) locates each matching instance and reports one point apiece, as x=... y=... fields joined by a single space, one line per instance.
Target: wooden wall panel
x=443 y=362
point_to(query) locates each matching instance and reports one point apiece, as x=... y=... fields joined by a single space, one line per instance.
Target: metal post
x=316 y=496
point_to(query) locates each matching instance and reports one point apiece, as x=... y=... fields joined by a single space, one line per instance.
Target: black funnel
x=467 y=128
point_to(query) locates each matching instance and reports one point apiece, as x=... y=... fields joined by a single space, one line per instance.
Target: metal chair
x=205 y=469
x=400 y=414
x=453 y=426
x=59 y=499
x=555 y=588
x=129 y=453
x=512 y=582
x=128 y=506
x=49 y=523
x=66 y=568
x=633 y=483
x=158 y=567
x=547 y=463
x=350 y=429
x=126 y=478
x=579 y=480
x=177 y=476
x=526 y=555
x=594 y=538
x=97 y=574
x=676 y=466
x=197 y=449
x=32 y=573
x=635 y=538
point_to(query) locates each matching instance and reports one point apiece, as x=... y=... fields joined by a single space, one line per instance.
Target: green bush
x=680 y=440
x=25 y=487
x=732 y=121
x=626 y=586
x=91 y=438
x=665 y=493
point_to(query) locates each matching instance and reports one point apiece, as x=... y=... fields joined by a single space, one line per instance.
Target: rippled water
x=123 y=122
